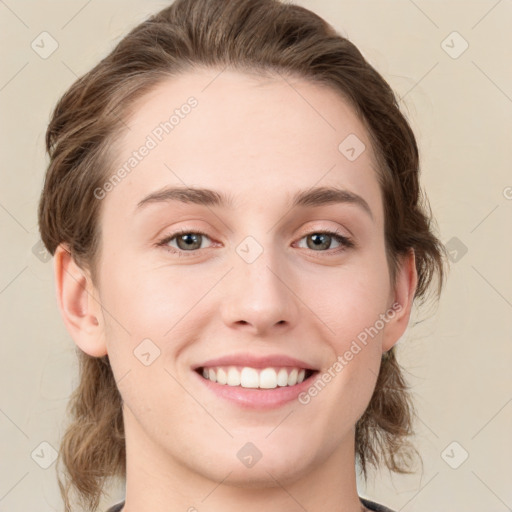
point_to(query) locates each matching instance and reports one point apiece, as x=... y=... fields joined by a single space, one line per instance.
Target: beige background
x=458 y=360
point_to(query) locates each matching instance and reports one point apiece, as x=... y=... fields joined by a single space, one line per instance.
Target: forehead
x=253 y=137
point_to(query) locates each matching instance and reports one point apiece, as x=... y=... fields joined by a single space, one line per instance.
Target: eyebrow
x=312 y=197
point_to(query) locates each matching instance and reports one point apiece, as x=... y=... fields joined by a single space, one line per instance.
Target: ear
x=79 y=304
x=401 y=301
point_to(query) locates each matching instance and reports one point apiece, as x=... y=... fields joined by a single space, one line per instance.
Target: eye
x=186 y=241
x=191 y=241
x=319 y=240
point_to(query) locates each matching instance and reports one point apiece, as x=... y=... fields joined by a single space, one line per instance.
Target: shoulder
x=116 y=508
x=376 y=507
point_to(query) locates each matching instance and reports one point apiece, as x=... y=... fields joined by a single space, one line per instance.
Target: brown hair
x=262 y=36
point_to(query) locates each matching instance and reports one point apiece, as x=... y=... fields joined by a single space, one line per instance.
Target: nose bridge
x=259 y=293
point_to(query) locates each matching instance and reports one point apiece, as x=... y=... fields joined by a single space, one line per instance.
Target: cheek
x=157 y=303
x=143 y=300
x=351 y=301
x=356 y=308
x=155 y=312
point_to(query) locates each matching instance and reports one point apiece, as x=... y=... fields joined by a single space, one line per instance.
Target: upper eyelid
x=332 y=231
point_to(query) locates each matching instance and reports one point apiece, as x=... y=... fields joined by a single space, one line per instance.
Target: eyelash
x=346 y=242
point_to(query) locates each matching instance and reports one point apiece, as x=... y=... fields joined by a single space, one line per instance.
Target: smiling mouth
x=255 y=378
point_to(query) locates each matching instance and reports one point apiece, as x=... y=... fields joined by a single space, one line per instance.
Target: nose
x=258 y=297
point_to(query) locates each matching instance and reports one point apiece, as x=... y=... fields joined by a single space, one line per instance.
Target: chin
x=263 y=476
x=270 y=469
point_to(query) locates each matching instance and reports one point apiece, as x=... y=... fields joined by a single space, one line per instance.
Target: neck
x=158 y=482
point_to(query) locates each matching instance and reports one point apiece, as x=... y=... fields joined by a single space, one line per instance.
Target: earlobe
x=402 y=301
x=78 y=305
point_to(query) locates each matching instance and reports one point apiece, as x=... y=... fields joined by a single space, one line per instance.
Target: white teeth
x=282 y=377
x=222 y=378
x=233 y=377
x=249 y=378
x=265 y=378
x=268 y=378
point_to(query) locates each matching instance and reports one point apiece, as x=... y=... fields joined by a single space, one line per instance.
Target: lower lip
x=257 y=398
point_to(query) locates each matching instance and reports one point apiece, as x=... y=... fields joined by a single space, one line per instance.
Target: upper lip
x=253 y=361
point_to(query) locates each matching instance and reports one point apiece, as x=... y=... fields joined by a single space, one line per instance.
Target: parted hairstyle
x=266 y=37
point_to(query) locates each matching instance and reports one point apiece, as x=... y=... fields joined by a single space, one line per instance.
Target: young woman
x=239 y=233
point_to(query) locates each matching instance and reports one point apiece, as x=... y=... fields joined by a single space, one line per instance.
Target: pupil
x=317 y=240
x=189 y=239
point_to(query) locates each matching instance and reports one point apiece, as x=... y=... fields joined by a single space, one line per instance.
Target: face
x=262 y=271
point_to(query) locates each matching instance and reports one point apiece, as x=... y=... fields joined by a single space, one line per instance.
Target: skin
x=258 y=140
